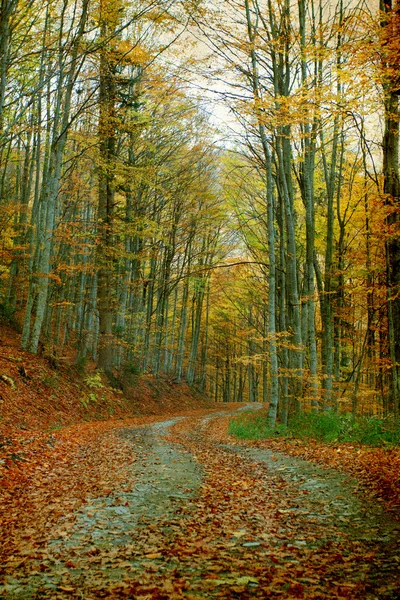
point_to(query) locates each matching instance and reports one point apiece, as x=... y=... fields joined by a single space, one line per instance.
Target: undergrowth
x=325 y=427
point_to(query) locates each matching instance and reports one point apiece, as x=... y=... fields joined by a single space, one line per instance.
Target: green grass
x=325 y=427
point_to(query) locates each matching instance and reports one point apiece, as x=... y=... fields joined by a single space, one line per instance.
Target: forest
x=199 y=299
x=208 y=191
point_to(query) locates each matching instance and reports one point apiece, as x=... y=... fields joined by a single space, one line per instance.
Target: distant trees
x=109 y=186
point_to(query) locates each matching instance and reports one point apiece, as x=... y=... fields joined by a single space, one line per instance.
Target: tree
x=390 y=51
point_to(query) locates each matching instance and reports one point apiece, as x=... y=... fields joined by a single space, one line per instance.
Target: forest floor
x=168 y=508
x=142 y=494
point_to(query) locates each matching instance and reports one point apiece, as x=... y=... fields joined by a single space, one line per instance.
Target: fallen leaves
x=378 y=469
x=83 y=461
x=235 y=581
x=241 y=536
x=65 y=588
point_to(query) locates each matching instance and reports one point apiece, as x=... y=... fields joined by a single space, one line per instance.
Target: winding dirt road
x=197 y=517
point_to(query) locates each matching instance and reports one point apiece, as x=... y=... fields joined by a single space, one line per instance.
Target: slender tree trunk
x=204 y=354
x=391 y=175
x=274 y=399
x=107 y=145
x=7 y=8
x=307 y=189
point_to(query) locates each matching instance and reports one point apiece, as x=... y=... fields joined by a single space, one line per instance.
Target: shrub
x=94 y=381
x=249 y=426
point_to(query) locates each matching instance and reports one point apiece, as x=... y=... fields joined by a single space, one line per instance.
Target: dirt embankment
x=47 y=392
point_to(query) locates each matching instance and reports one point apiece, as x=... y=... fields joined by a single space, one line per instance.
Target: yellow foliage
x=132 y=53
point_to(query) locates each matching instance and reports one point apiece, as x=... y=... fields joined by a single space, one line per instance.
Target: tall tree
x=390 y=23
x=110 y=18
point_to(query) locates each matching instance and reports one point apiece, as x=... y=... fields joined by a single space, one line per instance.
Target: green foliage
x=56 y=426
x=94 y=381
x=7 y=315
x=7 y=312
x=87 y=399
x=132 y=369
x=325 y=427
x=81 y=364
x=130 y=375
x=249 y=426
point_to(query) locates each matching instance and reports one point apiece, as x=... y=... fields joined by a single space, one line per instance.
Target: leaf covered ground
x=378 y=468
x=142 y=509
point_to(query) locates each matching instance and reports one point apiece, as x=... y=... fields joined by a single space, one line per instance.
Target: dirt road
x=197 y=517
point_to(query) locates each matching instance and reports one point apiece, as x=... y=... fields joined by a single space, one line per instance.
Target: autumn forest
x=199 y=299
x=209 y=191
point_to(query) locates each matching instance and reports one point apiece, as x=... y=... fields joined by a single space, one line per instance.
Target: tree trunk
x=107 y=145
x=273 y=354
x=391 y=30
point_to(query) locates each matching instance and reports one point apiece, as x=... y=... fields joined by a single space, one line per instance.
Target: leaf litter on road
x=220 y=525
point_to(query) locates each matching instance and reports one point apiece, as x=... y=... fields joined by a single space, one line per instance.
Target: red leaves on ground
x=239 y=537
x=376 y=468
x=59 y=472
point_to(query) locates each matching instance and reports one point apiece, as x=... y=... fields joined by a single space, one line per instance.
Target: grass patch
x=324 y=427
